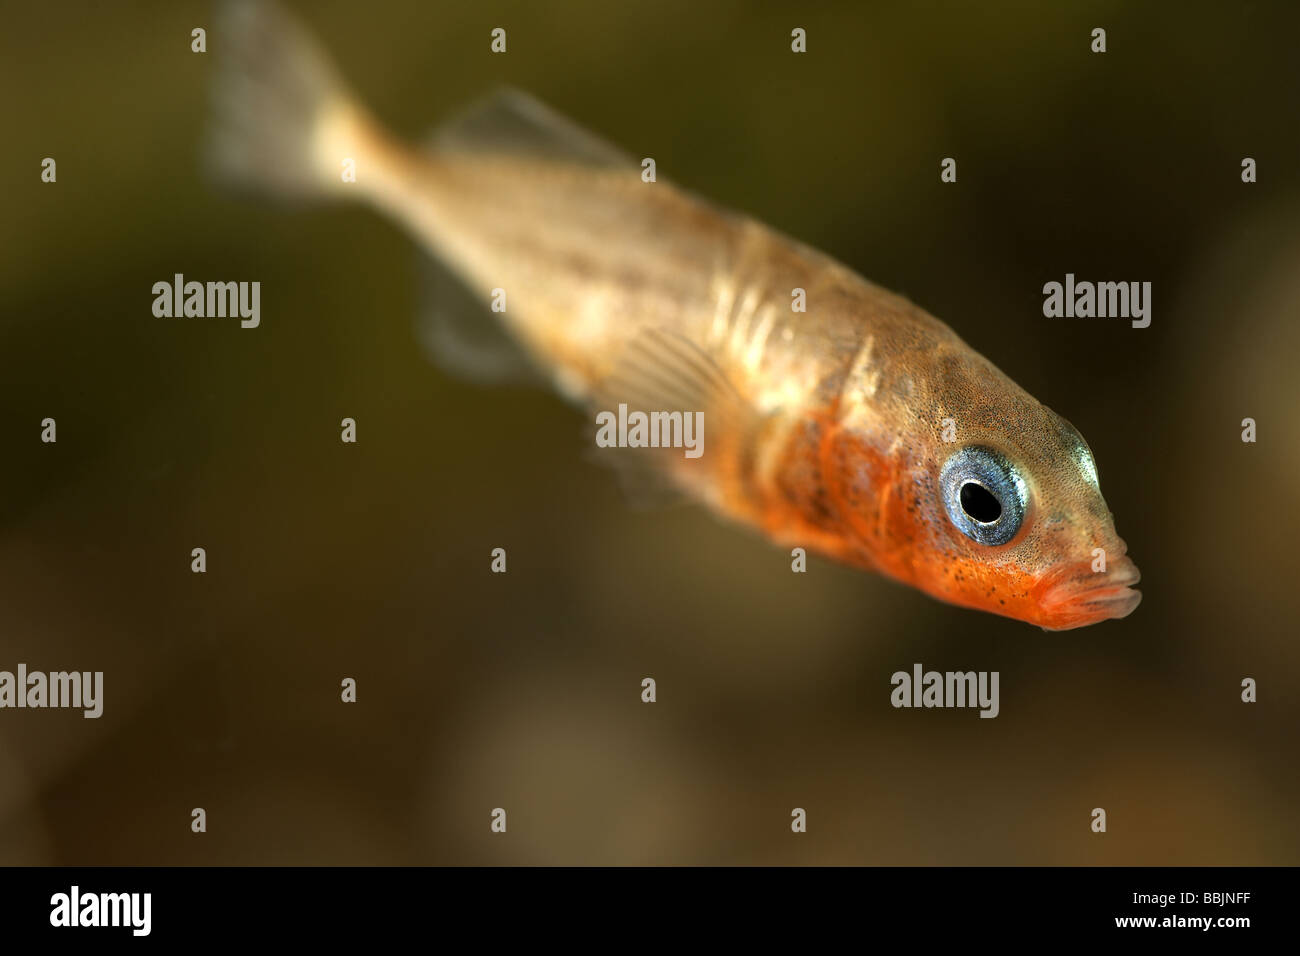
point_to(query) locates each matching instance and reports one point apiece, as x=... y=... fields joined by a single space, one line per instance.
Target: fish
x=858 y=426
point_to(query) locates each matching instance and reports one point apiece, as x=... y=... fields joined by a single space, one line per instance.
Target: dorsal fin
x=456 y=326
x=510 y=122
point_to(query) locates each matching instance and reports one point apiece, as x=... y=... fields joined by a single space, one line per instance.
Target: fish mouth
x=1078 y=596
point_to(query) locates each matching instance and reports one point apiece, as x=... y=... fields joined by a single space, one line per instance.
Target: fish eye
x=984 y=495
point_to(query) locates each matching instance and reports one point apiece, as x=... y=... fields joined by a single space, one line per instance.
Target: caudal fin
x=283 y=117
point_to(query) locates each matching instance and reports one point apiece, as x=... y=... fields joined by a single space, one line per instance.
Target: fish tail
x=284 y=121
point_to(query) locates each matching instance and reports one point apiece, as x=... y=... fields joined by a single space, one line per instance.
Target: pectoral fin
x=693 y=411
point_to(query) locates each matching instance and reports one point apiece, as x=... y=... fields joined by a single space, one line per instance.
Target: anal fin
x=464 y=337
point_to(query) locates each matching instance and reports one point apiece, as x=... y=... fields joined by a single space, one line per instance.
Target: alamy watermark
x=213 y=300
x=1086 y=300
x=75 y=908
x=947 y=689
x=638 y=429
x=36 y=689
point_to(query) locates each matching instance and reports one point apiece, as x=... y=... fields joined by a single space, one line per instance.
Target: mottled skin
x=849 y=397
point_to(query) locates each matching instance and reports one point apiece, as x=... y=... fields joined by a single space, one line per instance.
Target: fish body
x=863 y=427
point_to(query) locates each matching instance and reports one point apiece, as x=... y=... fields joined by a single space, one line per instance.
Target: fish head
x=963 y=485
x=1017 y=522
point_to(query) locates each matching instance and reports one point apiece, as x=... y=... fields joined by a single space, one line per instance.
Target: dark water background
x=522 y=691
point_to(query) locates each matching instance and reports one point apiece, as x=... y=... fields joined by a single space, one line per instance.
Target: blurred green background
x=522 y=690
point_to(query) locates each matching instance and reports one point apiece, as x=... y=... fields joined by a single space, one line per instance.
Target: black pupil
x=978 y=502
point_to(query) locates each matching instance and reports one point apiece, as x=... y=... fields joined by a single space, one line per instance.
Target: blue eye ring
x=984 y=495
